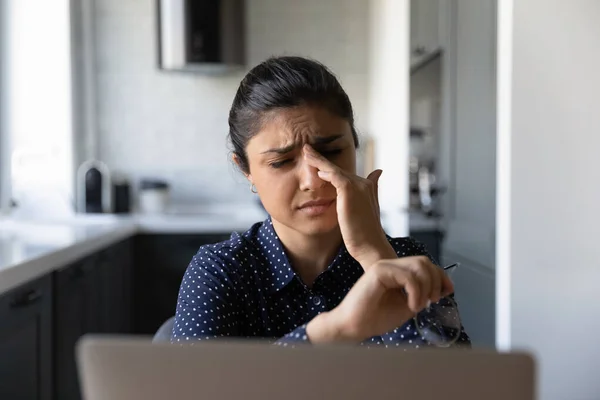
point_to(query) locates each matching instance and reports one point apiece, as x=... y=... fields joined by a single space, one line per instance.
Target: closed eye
x=330 y=153
x=278 y=164
x=325 y=153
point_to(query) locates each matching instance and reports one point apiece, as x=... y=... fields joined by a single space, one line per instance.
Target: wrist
x=327 y=328
x=377 y=253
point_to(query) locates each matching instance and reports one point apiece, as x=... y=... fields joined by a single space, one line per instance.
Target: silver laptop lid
x=136 y=369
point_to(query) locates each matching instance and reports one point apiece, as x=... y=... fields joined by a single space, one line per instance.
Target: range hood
x=205 y=36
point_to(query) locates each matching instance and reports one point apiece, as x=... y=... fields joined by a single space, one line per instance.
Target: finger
x=447 y=285
x=338 y=179
x=327 y=171
x=374 y=177
x=425 y=281
x=394 y=278
x=437 y=275
x=315 y=159
x=377 y=195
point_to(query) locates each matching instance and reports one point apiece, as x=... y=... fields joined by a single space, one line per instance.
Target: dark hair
x=283 y=82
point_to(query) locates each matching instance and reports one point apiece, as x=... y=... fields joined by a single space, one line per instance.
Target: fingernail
x=323 y=174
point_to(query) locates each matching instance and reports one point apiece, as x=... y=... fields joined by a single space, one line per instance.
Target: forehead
x=298 y=125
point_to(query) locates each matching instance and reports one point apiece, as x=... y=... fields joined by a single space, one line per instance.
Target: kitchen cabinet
x=468 y=160
x=131 y=286
x=26 y=341
x=116 y=269
x=77 y=305
x=425 y=30
x=160 y=263
x=91 y=296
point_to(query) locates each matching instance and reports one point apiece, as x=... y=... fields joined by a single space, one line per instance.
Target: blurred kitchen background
x=114 y=165
x=117 y=110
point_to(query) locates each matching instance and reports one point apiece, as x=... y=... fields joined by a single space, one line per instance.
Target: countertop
x=30 y=249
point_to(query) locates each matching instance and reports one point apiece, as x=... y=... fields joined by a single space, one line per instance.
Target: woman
x=320 y=269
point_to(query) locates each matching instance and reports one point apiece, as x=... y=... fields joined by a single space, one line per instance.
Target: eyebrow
x=318 y=141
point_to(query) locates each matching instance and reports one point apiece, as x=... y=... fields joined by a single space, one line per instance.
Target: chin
x=318 y=225
x=309 y=225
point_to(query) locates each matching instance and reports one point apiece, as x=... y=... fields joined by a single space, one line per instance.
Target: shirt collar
x=278 y=270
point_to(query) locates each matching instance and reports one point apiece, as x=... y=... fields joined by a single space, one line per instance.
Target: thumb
x=375 y=175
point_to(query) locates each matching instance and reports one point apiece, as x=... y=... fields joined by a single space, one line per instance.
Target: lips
x=316 y=207
x=316 y=203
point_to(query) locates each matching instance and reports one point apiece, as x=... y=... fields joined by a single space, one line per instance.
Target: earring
x=253 y=188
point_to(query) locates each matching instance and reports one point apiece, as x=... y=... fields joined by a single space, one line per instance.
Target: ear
x=236 y=160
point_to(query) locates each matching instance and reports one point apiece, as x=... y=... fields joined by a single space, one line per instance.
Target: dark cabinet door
x=115 y=268
x=91 y=296
x=160 y=263
x=123 y=256
x=26 y=342
x=76 y=313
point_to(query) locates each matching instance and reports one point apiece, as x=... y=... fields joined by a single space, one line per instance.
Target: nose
x=309 y=180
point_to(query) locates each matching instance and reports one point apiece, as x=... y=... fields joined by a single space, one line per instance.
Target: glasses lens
x=440 y=324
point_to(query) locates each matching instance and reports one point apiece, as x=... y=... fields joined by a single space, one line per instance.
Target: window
x=36 y=131
x=4 y=145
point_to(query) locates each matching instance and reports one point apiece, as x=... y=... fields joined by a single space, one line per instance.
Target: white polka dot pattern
x=246 y=287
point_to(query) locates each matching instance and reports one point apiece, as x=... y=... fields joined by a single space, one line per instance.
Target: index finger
x=317 y=160
x=447 y=285
x=393 y=278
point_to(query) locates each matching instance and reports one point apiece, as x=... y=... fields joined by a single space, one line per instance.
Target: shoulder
x=408 y=247
x=229 y=257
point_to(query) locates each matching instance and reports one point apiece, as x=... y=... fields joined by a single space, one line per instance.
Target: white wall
x=175 y=124
x=549 y=191
x=4 y=144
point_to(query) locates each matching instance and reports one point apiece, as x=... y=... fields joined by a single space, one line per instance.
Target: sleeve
x=207 y=305
x=296 y=337
x=410 y=247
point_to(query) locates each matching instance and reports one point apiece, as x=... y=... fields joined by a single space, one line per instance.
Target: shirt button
x=317 y=300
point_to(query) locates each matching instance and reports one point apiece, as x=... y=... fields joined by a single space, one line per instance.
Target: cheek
x=276 y=189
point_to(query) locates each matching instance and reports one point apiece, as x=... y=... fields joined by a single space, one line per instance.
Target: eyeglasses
x=439 y=324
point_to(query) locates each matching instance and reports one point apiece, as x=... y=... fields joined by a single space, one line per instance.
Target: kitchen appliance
x=201 y=35
x=153 y=196
x=93 y=187
x=425 y=190
x=121 y=195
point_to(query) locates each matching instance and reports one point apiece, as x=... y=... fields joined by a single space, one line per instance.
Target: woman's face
x=283 y=179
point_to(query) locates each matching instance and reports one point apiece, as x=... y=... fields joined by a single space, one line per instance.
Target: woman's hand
x=384 y=298
x=357 y=209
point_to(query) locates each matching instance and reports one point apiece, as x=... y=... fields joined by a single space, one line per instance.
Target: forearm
x=384 y=251
x=326 y=328
x=320 y=330
x=323 y=329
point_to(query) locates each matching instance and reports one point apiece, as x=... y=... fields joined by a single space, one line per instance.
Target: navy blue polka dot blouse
x=246 y=287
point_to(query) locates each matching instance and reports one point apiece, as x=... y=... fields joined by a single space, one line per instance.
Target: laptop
x=121 y=368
